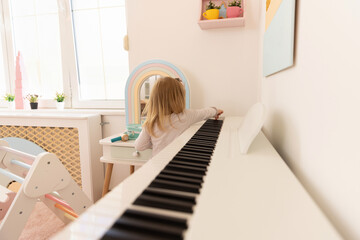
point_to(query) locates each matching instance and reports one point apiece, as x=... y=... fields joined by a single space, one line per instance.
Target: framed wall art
x=279 y=36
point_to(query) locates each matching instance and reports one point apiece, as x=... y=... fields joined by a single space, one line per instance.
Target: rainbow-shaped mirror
x=136 y=79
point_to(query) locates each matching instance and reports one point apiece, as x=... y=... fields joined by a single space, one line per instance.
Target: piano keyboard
x=173 y=189
x=251 y=196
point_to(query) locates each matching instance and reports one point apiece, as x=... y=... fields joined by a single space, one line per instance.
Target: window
x=36 y=36
x=3 y=82
x=99 y=29
x=75 y=46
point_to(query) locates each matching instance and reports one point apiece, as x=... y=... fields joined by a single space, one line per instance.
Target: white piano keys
x=121 y=197
x=164 y=212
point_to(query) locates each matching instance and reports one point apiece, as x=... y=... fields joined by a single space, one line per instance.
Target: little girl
x=167 y=117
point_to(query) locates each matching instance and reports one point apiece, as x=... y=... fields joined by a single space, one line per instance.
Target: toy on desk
x=124 y=137
x=136 y=128
x=128 y=135
x=116 y=139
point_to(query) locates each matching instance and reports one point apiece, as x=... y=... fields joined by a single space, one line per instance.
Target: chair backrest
x=251 y=126
x=24 y=145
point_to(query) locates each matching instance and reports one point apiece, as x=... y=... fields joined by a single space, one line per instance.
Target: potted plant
x=33 y=99
x=212 y=11
x=234 y=9
x=60 y=98
x=10 y=99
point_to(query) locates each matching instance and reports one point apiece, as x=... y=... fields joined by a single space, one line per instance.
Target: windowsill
x=107 y=112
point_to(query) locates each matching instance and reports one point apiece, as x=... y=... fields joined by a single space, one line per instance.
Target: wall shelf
x=220 y=23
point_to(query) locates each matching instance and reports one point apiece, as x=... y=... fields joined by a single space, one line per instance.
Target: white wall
x=314 y=108
x=313 y=112
x=221 y=64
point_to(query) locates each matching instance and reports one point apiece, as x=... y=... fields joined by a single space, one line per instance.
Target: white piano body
x=252 y=196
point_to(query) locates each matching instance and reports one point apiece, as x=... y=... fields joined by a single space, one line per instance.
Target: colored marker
x=116 y=139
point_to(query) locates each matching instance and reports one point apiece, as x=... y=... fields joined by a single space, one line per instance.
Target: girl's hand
x=218 y=113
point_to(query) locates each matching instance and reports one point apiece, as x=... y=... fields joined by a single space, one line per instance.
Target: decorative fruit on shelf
x=222 y=10
x=212 y=11
x=234 y=9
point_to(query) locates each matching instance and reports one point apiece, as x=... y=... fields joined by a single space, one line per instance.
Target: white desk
x=121 y=153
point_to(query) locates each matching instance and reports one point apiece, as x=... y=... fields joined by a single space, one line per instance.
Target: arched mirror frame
x=136 y=79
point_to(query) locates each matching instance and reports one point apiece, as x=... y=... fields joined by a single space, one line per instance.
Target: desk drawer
x=117 y=154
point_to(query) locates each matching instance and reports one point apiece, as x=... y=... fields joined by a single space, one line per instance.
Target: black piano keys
x=183 y=176
x=166 y=200
x=137 y=225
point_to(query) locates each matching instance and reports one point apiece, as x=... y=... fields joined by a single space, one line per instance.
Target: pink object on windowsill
x=19 y=68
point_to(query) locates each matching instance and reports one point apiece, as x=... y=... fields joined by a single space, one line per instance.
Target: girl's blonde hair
x=167 y=96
